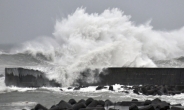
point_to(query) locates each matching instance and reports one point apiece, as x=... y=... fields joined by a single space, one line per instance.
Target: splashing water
x=108 y=39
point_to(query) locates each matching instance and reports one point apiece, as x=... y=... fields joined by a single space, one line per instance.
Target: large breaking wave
x=109 y=39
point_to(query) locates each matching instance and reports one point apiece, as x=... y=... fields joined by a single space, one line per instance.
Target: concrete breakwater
x=93 y=104
x=143 y=76
x=21 y=77
x=125 y=76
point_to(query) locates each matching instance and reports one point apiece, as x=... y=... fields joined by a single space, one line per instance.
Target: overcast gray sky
x=22 y=20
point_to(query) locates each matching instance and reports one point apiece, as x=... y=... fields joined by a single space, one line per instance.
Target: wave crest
x=108 y=39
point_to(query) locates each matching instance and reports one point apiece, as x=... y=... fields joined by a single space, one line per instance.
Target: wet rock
x=77 y=88
x=88 y=101
x=70 y=88
x=93 y=108
x=136 y=91
x=101 y=102
x=82 y=100
x=133 y=107
x=144 y=90
x=174 y=92
x=129 y=103
x=147 y=107
x=156 y=100
x=113 y=109
x=99 y=87
x=125 y=92
x=53 y=106
x=79 y=106
x=134 y=100
x=94 y=103
x=111 y=88
x=64 y=105
x=176 y=105
x=40 y=107
x=163 y=106
x=72 y=101
x=108 y=103
x=147 y=102
x=177 y=108
x=99 y=106
x=158 y=90
x=151 y=92
x=182 y=91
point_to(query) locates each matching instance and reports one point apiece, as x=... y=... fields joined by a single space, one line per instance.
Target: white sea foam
x=2 y=85
x=116 y=95
x=108 y=39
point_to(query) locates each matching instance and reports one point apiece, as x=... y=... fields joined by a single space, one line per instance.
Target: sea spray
x=103 y=40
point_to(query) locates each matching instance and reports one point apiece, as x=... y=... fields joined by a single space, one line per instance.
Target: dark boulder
x=77 y=88
x=53 y=106
x=88 y=101
x=82 y=100
x=111 y=88
x=99 y=106
x=174 y=92
x=72 y=101
x=125 y=92
x=134 y=100
x=163 y=106
x=151 y=92
x=133 y=107
x=79 y=106
x=93 y=108
x=94 y=103
x=40 y=107
x=147 y=102
x=147 y=107
x=156 y=100
x=177 y=108
x=108 y=103
x=176 y=105
x=64 y=105
x=136 y=91
x=129 y=103
x=99 y=87
x=70 y=88
x=144 y=90
x=101 y=102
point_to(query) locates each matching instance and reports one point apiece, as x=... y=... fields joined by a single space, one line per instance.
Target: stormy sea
x=89 y=40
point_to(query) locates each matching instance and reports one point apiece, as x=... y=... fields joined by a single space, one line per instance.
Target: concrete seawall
x=27 y=78
x=125 y=76
x=144 y=76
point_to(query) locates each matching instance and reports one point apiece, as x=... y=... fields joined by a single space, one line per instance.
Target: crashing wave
x=108 y=39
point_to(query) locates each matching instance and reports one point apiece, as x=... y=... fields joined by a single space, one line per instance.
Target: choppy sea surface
x=26 y=98
x=83 y=40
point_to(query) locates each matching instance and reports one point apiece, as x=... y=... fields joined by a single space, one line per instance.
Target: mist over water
x=108 y=39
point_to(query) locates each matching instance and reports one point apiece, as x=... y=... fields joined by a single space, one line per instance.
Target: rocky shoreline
x=92 y=104
x=134 y=104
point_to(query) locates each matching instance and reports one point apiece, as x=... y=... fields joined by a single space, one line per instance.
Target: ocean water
x=83 y=40
x=26 y=98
